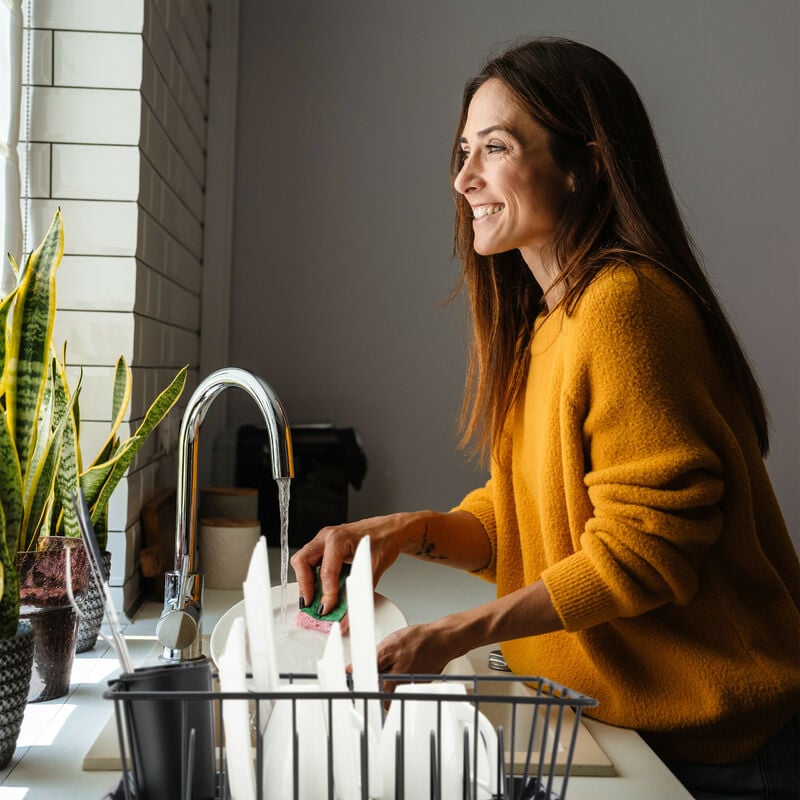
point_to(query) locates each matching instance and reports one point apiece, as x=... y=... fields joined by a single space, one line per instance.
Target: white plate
x=299 y=649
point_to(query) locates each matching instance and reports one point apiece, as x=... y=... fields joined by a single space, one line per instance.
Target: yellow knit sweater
x=629 y=479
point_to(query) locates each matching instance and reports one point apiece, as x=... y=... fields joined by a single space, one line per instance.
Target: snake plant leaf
x=32 y=330
x=106 y=453
x=44 y=427
x=94 y=478
x=47 y=526
x=100 y=526
x=38 y=500
x=122 y=391
x=10 y=520
x=121 y=397
x=10 y=489
x=158 y=410
x=5 y=306
x=76 y=412
x=14 y=266
x=67 y=481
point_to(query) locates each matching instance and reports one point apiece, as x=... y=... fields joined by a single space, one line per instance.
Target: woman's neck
x=545 y=271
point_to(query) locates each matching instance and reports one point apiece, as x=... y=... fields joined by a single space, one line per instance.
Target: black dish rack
x=536 y=721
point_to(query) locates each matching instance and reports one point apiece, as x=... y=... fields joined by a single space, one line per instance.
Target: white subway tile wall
x=86 y=283
x=91 y=227
x=120 y=16
x=95 y=338
x=87 y=116
x=95 y=172
x=98 y=60
x=165 y=254
x=113 y=132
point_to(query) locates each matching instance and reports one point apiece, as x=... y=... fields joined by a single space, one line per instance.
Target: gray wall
x=342 y=247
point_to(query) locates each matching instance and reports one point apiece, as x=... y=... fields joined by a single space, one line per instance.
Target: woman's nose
x=468 y=176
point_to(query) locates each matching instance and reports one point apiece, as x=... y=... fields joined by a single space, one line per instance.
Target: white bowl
x=299 y=649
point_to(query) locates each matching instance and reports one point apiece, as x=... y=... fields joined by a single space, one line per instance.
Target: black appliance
x=327 y=461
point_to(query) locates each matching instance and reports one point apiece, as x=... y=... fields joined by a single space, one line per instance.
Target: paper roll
x=225 y=547
x=230 y=502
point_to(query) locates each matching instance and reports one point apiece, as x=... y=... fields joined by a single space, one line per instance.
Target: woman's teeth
x=485 y=211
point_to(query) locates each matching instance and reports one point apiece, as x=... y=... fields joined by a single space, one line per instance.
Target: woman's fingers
x=335 y=555
x=336 y=545
x=328 y=550
x=416 y=649
x=304 y=563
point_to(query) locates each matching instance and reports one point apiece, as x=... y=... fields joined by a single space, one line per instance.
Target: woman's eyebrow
x=487 y=131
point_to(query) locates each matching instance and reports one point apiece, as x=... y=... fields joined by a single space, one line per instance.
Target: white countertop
x=56 y=735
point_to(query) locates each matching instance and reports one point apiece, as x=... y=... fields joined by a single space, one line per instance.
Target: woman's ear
x=595 y=169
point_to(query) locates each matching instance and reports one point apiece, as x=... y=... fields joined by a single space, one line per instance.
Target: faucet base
x=170 y=656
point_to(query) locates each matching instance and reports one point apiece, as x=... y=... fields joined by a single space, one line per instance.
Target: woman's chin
x=484 y=249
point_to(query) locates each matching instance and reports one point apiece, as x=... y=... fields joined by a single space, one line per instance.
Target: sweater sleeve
x=653 y=437
x=480 y=504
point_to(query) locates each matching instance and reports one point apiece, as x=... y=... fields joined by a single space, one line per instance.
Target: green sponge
x=309 y=618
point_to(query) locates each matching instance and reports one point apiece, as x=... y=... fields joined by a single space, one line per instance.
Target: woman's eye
x=495 y=148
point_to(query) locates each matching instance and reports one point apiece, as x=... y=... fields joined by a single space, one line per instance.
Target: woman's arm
x=455 y=538
x=426 y=649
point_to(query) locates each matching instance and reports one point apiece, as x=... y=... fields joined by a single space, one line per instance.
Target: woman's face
x=508 y=176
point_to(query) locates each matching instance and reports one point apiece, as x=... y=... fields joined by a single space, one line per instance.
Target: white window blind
x=10 y=96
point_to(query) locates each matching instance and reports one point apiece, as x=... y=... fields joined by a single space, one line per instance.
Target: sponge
x=309 y=618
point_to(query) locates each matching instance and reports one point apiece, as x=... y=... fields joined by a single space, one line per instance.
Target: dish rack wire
x=537 y=734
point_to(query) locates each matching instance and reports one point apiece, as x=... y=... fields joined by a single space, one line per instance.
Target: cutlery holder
x=536 y=722
x=166 y=727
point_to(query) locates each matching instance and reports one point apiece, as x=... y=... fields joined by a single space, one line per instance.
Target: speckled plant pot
x=16 y=661
x=45 y=603
x=93 y=611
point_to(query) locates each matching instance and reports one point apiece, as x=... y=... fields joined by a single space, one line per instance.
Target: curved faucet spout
x=179 y=626
x=186 y=493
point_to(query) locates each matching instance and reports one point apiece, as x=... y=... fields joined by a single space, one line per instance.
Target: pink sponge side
x=304 y=620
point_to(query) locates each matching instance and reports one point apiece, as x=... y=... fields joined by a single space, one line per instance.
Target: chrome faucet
x=179 y=629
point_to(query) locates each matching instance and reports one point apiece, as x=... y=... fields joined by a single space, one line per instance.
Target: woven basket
x=16 y=662
x=93 y=611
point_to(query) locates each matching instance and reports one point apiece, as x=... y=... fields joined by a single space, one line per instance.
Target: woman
x=629 y=523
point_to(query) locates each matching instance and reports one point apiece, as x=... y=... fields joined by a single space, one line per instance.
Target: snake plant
x=40 y=456
x=100 y=479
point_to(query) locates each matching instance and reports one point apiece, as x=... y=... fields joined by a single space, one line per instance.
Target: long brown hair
x=625 y=212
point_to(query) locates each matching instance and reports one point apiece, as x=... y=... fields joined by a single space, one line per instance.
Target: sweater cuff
x=482 y=509
x=578 y=592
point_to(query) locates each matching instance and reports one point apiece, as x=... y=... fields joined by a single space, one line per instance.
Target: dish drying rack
x=536 y=721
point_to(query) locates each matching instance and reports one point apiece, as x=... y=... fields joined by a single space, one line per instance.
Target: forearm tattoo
x=427 y=549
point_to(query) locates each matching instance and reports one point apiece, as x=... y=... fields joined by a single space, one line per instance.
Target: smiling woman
x=629 y=522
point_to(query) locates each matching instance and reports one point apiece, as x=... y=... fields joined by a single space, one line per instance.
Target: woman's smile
x=481 y=212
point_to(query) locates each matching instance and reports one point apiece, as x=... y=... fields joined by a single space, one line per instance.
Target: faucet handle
x=176 y=629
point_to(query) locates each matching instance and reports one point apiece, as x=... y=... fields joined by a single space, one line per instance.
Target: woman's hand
x=336 y=545
x=419 y=649
x=455 y=538
x=427 y=649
